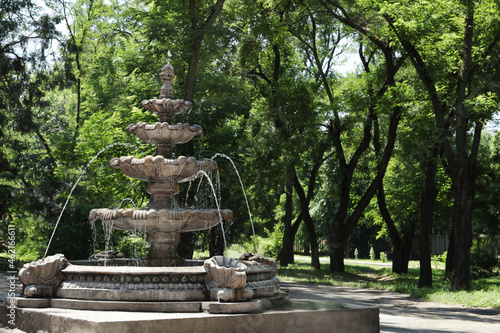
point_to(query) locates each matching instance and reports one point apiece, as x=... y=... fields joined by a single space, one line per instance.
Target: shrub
x=483 y=259
x=443 y=256
x=273 y=248
x=133 y=246
x=383 y=256
x=372 y=254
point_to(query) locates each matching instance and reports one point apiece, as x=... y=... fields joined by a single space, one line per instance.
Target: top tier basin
x=166 y=108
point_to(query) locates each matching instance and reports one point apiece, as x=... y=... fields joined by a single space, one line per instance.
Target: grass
x=375 y=274
x=485 y=292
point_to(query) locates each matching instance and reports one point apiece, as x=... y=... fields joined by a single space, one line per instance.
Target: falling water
x=76 y=183
x=108 y=230
x=140 y=231
x=201 y=172
x=244 y=194
x=94 y=237
x=126 y=199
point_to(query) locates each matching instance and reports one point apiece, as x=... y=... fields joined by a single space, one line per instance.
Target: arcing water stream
x=244 y=194
x=201 y=172
x=76 y=183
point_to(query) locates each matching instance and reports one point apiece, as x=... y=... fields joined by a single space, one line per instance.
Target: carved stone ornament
x=226 y=279
x=39 y=278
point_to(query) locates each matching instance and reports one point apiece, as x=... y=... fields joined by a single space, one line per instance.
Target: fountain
x=163 y=282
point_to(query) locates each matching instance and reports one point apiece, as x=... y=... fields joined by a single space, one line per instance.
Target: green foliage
x=383 y=257
x=261 y=100
x=441 y=257
x=373 y=256
x=484 y=258
x=133 y=246
x=273 y=248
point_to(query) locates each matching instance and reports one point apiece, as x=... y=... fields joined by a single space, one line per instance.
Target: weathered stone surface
x=166 y=108
x=129 y=283
x=226 y=279
x=232 y=308
x=223 y=272
x=39 y=278
x=290 y=321
x=164 y=135
x=161 y=220
x=78 y=304
x=22 y=302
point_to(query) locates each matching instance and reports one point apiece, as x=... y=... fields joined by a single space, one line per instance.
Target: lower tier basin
x=161 y=220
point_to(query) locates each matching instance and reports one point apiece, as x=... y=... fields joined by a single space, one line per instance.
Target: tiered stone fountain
x=162 y=275
x=163 y=294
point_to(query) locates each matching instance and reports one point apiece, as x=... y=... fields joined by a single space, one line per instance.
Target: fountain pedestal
x=162 y=195
x=163 y=249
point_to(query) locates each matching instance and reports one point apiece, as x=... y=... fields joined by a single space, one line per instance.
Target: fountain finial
x=167 y=75
x=166 y=106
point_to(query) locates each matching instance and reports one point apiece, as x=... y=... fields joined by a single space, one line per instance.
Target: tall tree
x=466 y=109
x=346 y=218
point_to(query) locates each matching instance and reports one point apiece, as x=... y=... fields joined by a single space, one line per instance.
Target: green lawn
x=375 y=274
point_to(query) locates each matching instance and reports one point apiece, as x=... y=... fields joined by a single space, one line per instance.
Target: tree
x=25 y=152
x=464 y=110
x=346 y=217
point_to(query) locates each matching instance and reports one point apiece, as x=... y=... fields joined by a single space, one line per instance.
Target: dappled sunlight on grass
x=485 y=293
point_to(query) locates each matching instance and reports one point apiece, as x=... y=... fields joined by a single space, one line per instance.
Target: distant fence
x=301 y=245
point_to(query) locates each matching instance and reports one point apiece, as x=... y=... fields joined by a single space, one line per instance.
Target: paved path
x=401 y=314
x=398 y=313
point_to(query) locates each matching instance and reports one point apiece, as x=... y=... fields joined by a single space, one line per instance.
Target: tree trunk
x=199 y=32
x=451 y=252
x=216 y=243
x=313 y=240
x=192 y=67
x=401 y=251
x=464 y=198
x=397 y=256
x=464 y=177
x=311 y=230
x=406 y=252
x=286 y=253
x=427 y=206
x=336 y=245
x=396 y=240
x=289 y=245
x=186 y=245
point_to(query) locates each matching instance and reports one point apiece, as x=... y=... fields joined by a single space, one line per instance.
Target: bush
x=383 y=256
x=483 y=259
x=133 y=247
x=372 y=254
x=273 y=248
x=440 y=257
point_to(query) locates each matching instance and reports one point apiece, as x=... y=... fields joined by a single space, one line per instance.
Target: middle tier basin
x=163 y=170
x=163 y=220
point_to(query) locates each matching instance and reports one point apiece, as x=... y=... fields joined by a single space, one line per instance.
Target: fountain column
x=163 y=250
